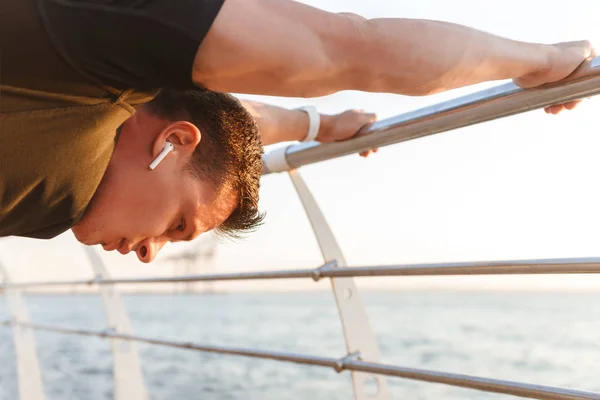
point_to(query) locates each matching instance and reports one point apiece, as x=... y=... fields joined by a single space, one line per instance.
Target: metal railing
x=485 y=105
x=362 y=358
x=331 y=270
x=351 y=362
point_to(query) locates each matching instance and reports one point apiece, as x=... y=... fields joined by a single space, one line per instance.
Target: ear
x=184 y=135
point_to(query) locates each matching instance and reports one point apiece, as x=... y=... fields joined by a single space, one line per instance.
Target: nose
x=148 y=249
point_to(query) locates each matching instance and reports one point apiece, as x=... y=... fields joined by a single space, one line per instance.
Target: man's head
x=209 y=181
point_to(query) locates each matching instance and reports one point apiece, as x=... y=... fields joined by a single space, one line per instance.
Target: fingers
x=558 y=108
x=586 y=48
x=365 y=117
x=348 y=125
x=368 y=152
x=359 y=119
x=555 y=109
x=591 y=51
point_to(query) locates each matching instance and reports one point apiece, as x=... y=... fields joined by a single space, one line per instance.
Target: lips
x=125 y=247
x=114 y=245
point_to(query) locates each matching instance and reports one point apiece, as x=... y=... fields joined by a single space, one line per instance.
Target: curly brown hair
x=229 y=155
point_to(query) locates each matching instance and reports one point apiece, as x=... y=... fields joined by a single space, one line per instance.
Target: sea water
x=545 y=338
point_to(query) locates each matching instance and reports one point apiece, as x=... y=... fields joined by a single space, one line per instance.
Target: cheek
x=118 y=204
x=135 y=207
x=142 y=207
x=132 y=206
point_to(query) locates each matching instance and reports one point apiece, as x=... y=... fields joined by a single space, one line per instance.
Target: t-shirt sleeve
x=130 y=44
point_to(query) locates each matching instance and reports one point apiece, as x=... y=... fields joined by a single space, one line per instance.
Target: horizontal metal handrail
x=485 y=105
x=350 y=362
x=329 y=270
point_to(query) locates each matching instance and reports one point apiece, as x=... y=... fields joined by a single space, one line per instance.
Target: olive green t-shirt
x=71 y=72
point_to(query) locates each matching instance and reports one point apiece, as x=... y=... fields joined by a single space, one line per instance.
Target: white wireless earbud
x=167 y=149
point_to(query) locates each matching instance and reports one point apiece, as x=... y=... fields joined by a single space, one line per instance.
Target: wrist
x=325 y=129
x=543 y=58
x=540 y=63
x=314 y=123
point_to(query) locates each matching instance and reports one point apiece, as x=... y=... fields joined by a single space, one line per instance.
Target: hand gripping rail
x=486 y=105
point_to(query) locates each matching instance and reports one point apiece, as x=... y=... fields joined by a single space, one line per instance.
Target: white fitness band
x=276 y=161
x=314 y=123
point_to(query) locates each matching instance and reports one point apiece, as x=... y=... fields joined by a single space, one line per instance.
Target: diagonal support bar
x=127 y=371
x=29 y=374
x=357 y=332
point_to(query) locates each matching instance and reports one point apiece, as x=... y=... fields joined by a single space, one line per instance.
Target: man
x=215 y=169
x=74 y=73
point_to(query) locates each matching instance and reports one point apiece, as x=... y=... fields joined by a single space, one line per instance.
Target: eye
x=181 y=226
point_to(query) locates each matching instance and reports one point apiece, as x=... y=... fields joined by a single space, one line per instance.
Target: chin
x=80 y=235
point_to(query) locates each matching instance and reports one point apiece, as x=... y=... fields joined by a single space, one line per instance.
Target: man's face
x=138 y=209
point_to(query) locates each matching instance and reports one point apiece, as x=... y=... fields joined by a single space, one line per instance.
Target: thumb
x=367 y=118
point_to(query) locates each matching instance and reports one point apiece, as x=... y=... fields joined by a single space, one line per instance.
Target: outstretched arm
x=277 y=124
x=281 y=47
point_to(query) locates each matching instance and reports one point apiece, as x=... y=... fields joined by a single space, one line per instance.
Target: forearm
x=277 y=124
x=418 y=57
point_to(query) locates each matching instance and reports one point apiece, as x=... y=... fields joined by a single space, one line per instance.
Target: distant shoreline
x=369 y=291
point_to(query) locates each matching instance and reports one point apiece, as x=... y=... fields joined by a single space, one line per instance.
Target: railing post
x=31 y=386
x=127 y=370
x=357 y=332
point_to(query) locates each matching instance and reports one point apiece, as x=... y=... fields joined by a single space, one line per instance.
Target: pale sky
x=518 y=188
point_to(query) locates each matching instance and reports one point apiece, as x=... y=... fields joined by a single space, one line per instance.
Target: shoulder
x=131 y=44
